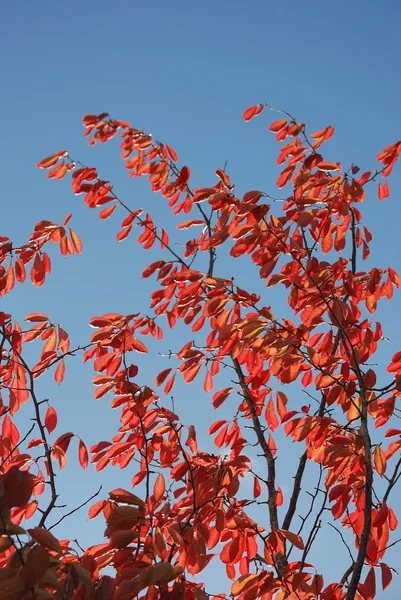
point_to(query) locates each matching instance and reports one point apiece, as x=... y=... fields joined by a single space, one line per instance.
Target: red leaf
x=152 y=268
x=216 y=426
x=252 y=111
x=173 y=154
x=394 y=277
x=208 y=385
x=139 y=346
x=386 y=575
x=96 y=509
x=285 y=176
x=256 y=488
x=183 y=177
x=76 y=242
x=188 y=224
x=47 y=539
x=328 y=166
x=277 y=125
x=383 y=191
x=169 y=384
x=220 y=396
x=36 y=565
x=83 y=454
x=48 y=162
x=223 y=177
x=17 y=487
x=271 y=417
x=121 y=235
x=36 y=318
x=107 y=212
x=162 y=376
x=59 y=372
x=191 y=373
x=50 y=419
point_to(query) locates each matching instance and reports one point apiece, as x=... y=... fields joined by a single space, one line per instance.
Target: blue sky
x=184 y=71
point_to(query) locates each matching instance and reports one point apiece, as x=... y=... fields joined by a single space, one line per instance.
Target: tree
x=188 y=505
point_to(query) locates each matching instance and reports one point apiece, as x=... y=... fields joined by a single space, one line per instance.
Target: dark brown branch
x=300 y=471
x=296 y=490
x=280 y=560
x=47 y=447
x=367 y=513
x=393 y=480
x=313 y=532
x=343 y=541
x=74 y=510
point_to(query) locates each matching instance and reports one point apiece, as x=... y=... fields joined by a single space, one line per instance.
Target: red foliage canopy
x=193 y=505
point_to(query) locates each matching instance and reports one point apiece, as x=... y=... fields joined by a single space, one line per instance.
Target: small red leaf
x=36 y=318
x=208 y=385
x=277 y=125
x=162 y=376
x=121 y=235
x=256 y=487
x=169 y=384
x=386 y=575
x=107 y=212
x=59 y=372
x=96 y=509
x=76 y=242
x=50 y=419
x=220 y=396
x=383 y=191
x=83 y=454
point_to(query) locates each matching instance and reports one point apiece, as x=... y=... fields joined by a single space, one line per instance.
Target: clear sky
x=184 y=71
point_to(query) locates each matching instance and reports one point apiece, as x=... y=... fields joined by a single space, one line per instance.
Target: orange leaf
x=208 y=385
x=59 y=372
x=328 y=166
x=159 y=488
x=188 y=224
x=107 y=212
x=48 y=162
x=380 y=461
x=76 y=242
x=50 y=419
x=294 y=539
x=277 y=125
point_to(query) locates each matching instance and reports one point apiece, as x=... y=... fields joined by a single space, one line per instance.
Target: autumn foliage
x=187 y=507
